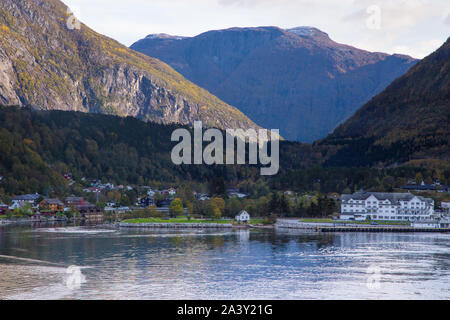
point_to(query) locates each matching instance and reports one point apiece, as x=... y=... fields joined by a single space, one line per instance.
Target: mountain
x=297 y=80
x=407 y=122
x=46 y=61
x=37 y=148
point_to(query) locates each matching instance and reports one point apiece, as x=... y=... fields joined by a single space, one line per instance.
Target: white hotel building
x=385 y=206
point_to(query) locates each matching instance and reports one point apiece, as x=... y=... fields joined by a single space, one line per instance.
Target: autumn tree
x=176 y=207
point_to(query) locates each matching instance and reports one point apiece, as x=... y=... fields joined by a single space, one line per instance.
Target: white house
x=242 y=216
x=110 y=204
x=122 y=209
x=445 y=206
x=19 y=201
x=237 y=194
x=385 y=206
x=109 y=209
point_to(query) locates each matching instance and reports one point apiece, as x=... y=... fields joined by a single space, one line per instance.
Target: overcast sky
x=413 y=27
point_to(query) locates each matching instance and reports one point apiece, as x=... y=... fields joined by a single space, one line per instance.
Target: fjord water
x=221 y=264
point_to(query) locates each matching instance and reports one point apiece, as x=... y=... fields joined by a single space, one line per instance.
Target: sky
x=412 y=27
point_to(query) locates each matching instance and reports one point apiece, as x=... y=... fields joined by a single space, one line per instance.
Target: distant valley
x=297 y=80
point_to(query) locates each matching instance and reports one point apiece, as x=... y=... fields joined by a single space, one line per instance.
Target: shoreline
x=330 y=227
x=30 y=220
x=283 y=224
x=175 y=225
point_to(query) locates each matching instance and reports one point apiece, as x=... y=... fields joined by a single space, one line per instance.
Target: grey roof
x=392 y=197
x=54 y=201
x=27 y=197
x=74 y=199
x=86 y=205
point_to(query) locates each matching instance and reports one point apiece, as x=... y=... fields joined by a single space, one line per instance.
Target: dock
x=335 y=227
x=381 y=229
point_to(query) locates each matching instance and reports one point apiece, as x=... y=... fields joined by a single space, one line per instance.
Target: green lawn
x=256 y=221
x=381 y=222
x=174 y=220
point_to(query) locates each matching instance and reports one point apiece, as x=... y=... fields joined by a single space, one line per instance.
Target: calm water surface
x=219 y=264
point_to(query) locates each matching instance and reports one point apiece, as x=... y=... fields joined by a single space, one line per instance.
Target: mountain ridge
x=407 y=121
x=45 y=64
x=279 y=78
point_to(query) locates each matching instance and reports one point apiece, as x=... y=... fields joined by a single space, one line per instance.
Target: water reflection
x=215 y=264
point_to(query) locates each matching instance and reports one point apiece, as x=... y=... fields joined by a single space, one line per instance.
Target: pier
x=335 y=227
x=381 y=229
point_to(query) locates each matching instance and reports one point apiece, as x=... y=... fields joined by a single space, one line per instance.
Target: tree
x=176 y=207
x=24 y=211
x=152 y=211
x=218 y=203
x=274 y=202
x=186 y=194
x=388 y=183
x=217 y=213
x=419 y=178
x=233 y=206
x=190 y=209
x=284 y=205
x=217 y=186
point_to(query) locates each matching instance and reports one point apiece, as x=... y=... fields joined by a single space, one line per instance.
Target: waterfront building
x=243 y=216
x=445 y=207
x=90 y=212
x=146 y=202
x=20 y=201
x=385 y=206
x=74 y=201
x=3 y=209
x=51 y=206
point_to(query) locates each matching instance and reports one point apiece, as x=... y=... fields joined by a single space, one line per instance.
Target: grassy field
x=381 y=222
x=185 y=220
x=175 y=220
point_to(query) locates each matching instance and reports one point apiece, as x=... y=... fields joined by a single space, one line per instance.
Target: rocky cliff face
x=298 y=80
x=408 y=121
x=50 y=61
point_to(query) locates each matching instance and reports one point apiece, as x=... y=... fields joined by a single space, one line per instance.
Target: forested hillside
x=38 y=147
x=407 y=122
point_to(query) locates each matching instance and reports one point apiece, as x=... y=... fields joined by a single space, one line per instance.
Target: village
x=99 y=202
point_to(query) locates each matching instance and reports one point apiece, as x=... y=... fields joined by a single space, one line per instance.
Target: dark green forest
x=38 y=147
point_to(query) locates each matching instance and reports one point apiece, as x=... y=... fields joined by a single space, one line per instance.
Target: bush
x=270 y=219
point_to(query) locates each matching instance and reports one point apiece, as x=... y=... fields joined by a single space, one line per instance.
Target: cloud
x=412 y=27
x=397 y=14
x=357 y=15
x=447 y=20
x=404 y=24
x=422 y=48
